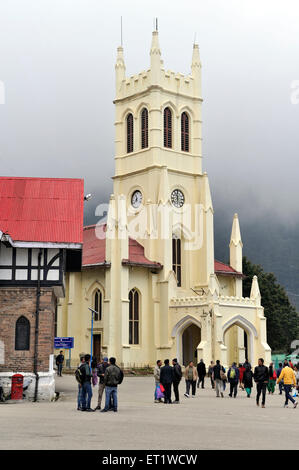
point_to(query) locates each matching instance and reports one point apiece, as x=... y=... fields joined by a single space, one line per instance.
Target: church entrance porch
x=238 y=337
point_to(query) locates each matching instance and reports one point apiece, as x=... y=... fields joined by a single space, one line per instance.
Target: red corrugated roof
x=221 y=268
x=42 y=209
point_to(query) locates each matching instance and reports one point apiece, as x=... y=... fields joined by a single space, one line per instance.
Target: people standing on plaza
x=59 y=363
x=210 y=373
x=248 y=380
x=261 y=378
x=86 y=384
x=79 y=396
x=191 y=379
x=278 y=372
x=233 y=378
x=219 y=376
x=166 y=379
x=241 y=372
x=272 y=379
x=201 y=372
x=177 y=377
x=101 y=368
x=289 y=379
x=112 y=378
x=157 y=370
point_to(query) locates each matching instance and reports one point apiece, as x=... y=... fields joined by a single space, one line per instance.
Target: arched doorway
x=191 y=338
x=238 y=337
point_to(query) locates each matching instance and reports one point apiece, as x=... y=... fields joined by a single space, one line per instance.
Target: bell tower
x=158 y=161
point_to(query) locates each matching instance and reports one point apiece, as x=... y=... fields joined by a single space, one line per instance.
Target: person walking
x=201 y=372
x=112 y=378
x=289 y=379
x=272 y=379
x=177 y=377
x=191 y=379
x=59 y=363
x=157 y=370
x=233 y=378
x=248 y=380
x=218 y=376
x=86 y=384
x=101 y=368
x=210 y=373
x=241 y=372
x=79 y=396
x=166 y=379
x=261 y=378
x=296 y=370
x=278 y=372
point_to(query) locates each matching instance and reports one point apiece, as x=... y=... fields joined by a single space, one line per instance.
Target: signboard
x=63 y=343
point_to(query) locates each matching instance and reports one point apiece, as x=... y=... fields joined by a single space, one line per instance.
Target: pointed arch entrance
x=238 y=336
x=188 y=336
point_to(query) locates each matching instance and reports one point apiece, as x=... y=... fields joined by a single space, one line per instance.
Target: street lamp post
x=91 y=339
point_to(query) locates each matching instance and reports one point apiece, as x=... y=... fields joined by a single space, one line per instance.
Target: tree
x=282 y=317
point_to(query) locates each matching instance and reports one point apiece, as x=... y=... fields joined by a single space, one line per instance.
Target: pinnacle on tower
x=255 y=290
x=196 y=69
x=236 y=245
x=120 y=68
x=206 y=198
x=155 y=54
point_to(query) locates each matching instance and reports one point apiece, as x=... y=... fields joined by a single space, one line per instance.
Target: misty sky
x=57 y=65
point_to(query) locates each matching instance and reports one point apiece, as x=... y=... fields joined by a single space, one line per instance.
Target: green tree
x=282 y=317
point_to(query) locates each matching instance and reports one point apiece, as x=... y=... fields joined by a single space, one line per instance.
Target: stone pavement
x=203 y=422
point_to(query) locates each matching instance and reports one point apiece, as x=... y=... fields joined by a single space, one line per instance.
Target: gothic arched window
x=22 y=336
x=97 y=306
x=144 y=128
x=176 y=259
x=167 y=128
x=130 y=133
x=185 y=132
x=133 y=317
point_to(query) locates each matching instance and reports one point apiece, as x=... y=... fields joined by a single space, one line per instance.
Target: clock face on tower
x=136 y=199
x=177 y=198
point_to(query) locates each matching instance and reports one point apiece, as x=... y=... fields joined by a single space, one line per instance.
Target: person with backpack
x=101 y=368
x=78 y=376
x=218 y=376
x=272 y=379
x=177 y=376
x=289 y=379
x=261 y=378
x=86 y=384
x=233 y=378
x=166 y=379
x=201 y=371
x=112 y=378
x=248 y=380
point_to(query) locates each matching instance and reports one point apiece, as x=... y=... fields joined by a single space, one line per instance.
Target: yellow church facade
x=149 y=271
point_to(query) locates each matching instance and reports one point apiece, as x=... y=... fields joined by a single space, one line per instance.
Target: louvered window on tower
x=185 y=132
x=133 y=317
x=144 y=128
x=167 y=128
x=176 y=260
x=130 y=133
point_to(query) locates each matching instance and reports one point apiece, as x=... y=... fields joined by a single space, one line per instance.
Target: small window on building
x=176 y=259
x=185 y=132
x=130 y=133
x=167 y=128
x=144 y=128
x=22 y=338
x=133 y=317
x=98 y=305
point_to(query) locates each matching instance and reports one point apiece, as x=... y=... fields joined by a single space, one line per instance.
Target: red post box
x=17 y=387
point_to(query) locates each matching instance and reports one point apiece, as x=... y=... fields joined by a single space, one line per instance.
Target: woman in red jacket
x=241 y=372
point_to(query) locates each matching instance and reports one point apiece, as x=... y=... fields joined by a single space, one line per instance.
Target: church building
x=149 y=271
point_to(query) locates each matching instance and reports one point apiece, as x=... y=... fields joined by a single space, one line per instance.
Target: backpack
x=78 y=375
x=232 y=374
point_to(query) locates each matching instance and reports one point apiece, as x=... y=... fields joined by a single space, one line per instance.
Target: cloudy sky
x=57 y=66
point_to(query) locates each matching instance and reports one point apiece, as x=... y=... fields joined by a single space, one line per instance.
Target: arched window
x=133 y=317
x=144 y=128
x=98 y=305
x=22 y=337
x=130 y=133
x=167 y=128
x=176 y=259
x=185 y=132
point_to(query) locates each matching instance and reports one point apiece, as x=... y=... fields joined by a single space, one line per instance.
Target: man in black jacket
x=86 y=384
x=101 y=373
x=201 y=371
x=261 y=377
x=166 y=379
x=59 y=363
x=112 y=378
x=177 y=376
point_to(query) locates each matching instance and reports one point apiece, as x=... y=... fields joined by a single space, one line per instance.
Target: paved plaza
x=204 y=422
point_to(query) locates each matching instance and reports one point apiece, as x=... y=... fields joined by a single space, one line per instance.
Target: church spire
x=236 y=245
x=155 y=55
x=120 y=68
x=196 y=69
